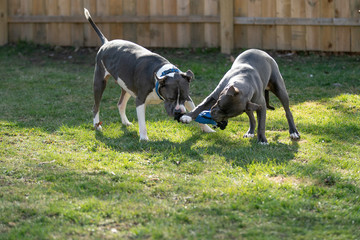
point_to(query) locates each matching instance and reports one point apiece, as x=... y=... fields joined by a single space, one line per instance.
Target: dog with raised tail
x=142 y=74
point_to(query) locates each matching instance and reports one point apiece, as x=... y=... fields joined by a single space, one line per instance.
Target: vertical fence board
x=355 y=31
x=3 y=22
x=170 y=31
x=129 y=29
x=241 y=31
x=312 y=32
x=328 y=38
x=283 y=33
x=27 y=32
x=14 y=30
x=183 y=29
x=116 y=29
x=52 y=31
x=102 y=10
x=254 y=32
x=298 y=33
x=269 y=34
x=197 y=29
x=227 y=25
x=156 y=30
x=64 y=28
x=143 y=29
x=77 y=29
x=211 y=30
x=343 y=37
x=39 y=9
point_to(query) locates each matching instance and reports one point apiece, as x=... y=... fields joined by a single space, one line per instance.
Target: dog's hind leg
x=279 y=90
x=267 y=99
x=100 y=80
x=122 y=107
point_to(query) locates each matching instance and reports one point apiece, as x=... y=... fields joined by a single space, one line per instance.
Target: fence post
x=227 y=25
x=3 y=22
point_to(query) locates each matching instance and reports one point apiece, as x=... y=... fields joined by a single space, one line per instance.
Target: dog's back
x=262 y=62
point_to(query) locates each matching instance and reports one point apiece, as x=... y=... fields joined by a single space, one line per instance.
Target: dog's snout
x=177 y=111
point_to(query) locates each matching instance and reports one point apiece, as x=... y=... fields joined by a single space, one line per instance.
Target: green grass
x=59 y=179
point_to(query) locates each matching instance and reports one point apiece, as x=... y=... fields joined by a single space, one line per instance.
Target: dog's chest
x=153 y=98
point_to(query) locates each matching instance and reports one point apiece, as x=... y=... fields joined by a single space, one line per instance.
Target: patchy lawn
x=59 y=179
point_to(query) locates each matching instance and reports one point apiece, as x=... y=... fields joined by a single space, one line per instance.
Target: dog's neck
x=166 y=70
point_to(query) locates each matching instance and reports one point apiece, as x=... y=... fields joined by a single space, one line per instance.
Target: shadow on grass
x=235 y=151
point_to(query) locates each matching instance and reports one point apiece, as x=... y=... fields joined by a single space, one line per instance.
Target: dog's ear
x=252 y=106
x=189 y=75
x=161 y=80
x=232 y=91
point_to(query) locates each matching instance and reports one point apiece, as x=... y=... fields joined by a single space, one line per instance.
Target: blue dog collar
x=171 y=70
x=157 y=85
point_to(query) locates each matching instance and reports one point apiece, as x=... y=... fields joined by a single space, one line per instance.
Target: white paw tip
x=145 y=138
x=185 y=119
x=295 y=136
x=264 y=143
x=127 y=123
x=249 y=135
x=97 y=126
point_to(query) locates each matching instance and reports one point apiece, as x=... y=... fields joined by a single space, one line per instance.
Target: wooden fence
x=316 y=25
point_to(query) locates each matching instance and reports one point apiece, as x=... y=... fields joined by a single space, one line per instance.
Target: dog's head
x=175 y=91
x=231 y=103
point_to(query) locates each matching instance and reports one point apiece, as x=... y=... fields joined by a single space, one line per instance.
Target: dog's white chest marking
x=153 y=98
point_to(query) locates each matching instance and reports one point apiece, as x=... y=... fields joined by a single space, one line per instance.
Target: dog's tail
x=97 y=30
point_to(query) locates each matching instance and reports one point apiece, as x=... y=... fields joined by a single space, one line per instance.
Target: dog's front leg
x=252 y=121
x=140 y=111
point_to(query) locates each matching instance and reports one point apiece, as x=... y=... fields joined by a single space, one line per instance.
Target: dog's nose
x=177 y=111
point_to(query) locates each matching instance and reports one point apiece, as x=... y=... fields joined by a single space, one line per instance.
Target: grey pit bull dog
x=245 y=88
x=147 y=76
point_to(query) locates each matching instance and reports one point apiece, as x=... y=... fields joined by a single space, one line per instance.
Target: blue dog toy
x=205 y=118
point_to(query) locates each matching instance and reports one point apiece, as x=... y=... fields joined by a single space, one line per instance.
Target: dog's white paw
x=206 y=128
x=97 y=126
x=249 y=135
x=295 y=136
x=127 y=123
x=264 y=143
x=185 y=119
x=144 y=138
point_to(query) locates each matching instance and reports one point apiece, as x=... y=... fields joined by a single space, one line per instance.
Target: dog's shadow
x=239 y=153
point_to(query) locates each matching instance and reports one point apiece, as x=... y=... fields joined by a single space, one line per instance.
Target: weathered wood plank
x=298 y=33
x=283 y=33
x=227 y=25
x=183 y=29
x=3 y=22
x=312 y=32
x=240 y=29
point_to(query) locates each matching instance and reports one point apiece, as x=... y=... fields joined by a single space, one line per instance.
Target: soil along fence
x=315 y=25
